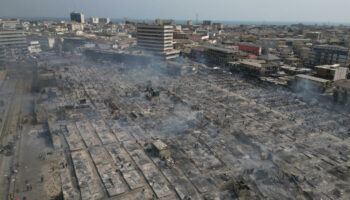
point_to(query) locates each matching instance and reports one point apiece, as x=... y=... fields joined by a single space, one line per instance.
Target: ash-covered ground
x=157 y=131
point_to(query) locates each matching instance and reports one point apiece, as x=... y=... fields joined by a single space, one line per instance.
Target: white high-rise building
x=157 y=39
x=94 y=20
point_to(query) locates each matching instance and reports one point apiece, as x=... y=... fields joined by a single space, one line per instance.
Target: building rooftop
x=329 y=67
x=251 y=63
x=222 y=49
x=312 y=78
x=269 y=57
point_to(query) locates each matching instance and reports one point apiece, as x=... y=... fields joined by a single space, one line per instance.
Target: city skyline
x=221 y=10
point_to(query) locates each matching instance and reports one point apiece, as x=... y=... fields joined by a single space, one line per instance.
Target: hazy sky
x=237 y=10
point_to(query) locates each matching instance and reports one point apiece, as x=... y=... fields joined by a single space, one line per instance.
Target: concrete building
x=46 y=42
x=314 y=36
x=218 y=26
x=254 y=67
x=94 y=20
x=309 y=83
x=331 y=72
x=246 y=47
x=104 y=20
x=157 y=39
x=220 y=56
x=77 y=17
x=165 y=21
x=189 y=23
x=12 y=44
x=329 y=55
x=275 y=42
x=97 y=20
x=75 y=26
x=206 y=23
x=34 y=47
x=10 y=24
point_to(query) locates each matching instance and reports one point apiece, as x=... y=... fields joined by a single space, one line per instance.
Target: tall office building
x=329 y=55
x=13 y=42
x=157 y=39
x=77 y=17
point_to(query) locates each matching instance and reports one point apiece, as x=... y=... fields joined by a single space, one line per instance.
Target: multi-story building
x=46 y=42
x=206 y=23
x=10 y=24
x=218 y=26
x=246 y=47
x=256 y=68
x=94 y=20
x=104 y=20
x=329 y=55
x=314 y=36
x=77 y=17
x=165 y=22
x=331 y=72
x=97 y=20
x=13 y=43
x=73 y=26
x=157 y=39
x=220 y=56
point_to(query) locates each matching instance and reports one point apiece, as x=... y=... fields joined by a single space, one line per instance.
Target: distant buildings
x=165 y=22
x=247 y=47
x=104 y=20
x=314 y=36
x=157 y=39
x=218 y=26
x=189 y=23
x=206 y=23
x=77 y=17
x=96 y=20
x=73 y=26
x=11 y=24
x=329 y=55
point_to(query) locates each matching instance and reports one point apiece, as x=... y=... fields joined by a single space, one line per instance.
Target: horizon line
x=176 y=19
